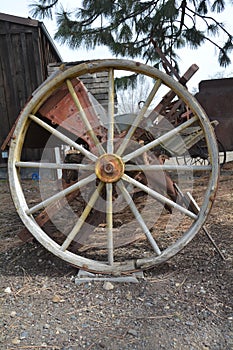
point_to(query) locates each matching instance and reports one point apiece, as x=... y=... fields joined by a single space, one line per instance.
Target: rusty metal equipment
x=114 y=207
x=215 y=96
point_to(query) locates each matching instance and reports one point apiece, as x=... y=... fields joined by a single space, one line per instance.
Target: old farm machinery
x=121 y=202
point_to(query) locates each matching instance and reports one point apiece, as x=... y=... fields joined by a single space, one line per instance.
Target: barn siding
x=97 y=84
x=25 y=52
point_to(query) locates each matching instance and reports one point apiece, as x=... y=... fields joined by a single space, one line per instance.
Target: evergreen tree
x=133 y=28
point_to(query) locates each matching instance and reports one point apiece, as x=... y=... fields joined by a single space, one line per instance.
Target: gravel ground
x=184 y=304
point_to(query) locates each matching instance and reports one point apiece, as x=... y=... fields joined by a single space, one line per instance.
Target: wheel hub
x=109 y=168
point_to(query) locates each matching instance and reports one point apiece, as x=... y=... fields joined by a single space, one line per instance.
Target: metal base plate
x=85 y=276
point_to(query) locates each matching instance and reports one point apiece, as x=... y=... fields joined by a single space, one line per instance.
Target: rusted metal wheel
x=117 y=213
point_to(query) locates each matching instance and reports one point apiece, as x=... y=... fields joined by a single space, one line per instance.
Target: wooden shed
x=26 y=49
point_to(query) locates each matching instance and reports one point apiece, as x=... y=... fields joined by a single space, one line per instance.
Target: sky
x=205 y=57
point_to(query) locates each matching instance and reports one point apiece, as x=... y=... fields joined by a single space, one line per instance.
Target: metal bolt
x=109 y=168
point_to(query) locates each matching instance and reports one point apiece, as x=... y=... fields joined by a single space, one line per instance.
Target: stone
x=24 y=335
x=15 y=341
x=132 y=332
x=108 y=285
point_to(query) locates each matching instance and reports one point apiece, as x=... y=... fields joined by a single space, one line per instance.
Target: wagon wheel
x=114 y=163
x=201 y=156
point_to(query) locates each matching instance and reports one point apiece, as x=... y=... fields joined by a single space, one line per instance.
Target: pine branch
x=126 y=27
x=41 y=10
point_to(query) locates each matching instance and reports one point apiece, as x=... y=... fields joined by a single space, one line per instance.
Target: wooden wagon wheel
x=110 y=170
x=201 y=156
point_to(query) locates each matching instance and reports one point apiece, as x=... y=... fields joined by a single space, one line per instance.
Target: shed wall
x=25 y=53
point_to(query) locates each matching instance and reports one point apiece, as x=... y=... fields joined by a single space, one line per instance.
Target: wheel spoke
x=166 y=167
x=110 y=112
x=139 y=118
x=159 y=197
x=43 y=165
x=82 y=218
x=159 y=140
x=62 y=137
x=109 y=219
x=61 y=194
x=138 y=217
x=84 y=118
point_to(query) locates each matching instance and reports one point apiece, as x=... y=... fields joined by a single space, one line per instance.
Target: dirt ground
x=184 y=304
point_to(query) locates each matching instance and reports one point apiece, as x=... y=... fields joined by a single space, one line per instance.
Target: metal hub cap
x=109 y=168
